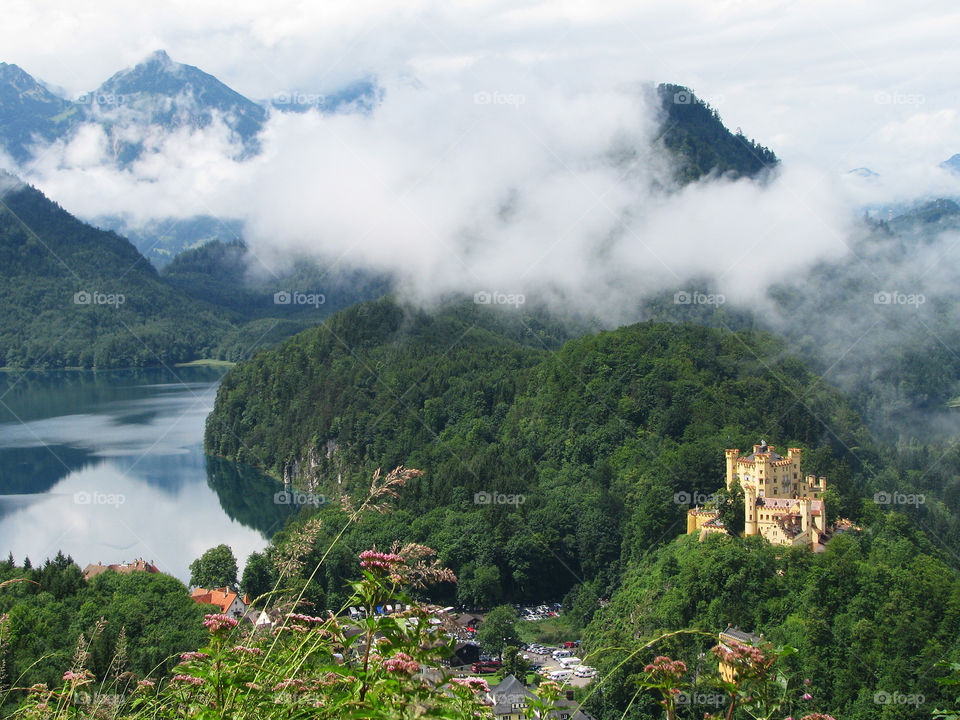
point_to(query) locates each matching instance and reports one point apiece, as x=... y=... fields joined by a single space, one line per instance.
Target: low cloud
x=491 y=180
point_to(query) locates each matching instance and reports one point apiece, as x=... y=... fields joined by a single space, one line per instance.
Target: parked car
x=486 y=667
x=585 y=671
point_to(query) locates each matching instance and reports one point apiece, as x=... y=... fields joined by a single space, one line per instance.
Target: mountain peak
x=158 y=57
x=952 y=164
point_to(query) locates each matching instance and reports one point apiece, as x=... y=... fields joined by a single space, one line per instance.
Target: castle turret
x=732 y=455
x=805 y=514
x=750 y=510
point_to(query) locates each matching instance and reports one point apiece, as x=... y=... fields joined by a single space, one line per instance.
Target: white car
x=585 y=671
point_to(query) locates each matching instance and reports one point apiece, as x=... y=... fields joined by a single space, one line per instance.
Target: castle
x=780 y=504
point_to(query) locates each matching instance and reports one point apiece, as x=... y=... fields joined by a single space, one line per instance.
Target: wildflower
x=218 y=622
x=806 y=696
x=371 y=559
x=474 y=684
x=401 y=663
x=304 y=618
x=189 y=656
x=78 y=677
x=188 y=679
x=146 y=683
x=817 y=716
x=295 y=684
x=663 y=668
x=247 y=650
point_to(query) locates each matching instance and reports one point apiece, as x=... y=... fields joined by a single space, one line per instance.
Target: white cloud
x=489 y=161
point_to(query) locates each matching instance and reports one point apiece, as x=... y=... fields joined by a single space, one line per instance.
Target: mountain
x=160 y=240
x=952 y=164
x=695 y=134
x=160 y=93
x=29 y=113
x=73 y=295
x=229 y=276
x=358 y=96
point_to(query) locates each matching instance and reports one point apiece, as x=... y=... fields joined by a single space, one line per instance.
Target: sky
x=487 y=166
x=843 y=84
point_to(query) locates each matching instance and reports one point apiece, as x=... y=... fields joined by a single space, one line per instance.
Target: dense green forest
x=597 y=435
x=75 y=296
x=698 y=139
x=45 y=609
x=870 y=618
x=561 y=469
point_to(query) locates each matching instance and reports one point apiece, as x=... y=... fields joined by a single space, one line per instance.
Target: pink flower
x=379 y=560
x=305 y=618
x=188 y=679
x=474 y=684
x=401 y=663
x=295 y=684
x=189 y=656
x=663 y=667
x=247 y=650
x=219 y=622
x=806 y=696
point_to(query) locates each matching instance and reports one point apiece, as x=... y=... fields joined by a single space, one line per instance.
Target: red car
x=488 y=666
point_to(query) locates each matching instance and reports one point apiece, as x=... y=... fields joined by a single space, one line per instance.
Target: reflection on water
x=109 y=466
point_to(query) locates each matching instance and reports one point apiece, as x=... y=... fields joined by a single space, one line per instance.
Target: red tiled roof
x=221 y=597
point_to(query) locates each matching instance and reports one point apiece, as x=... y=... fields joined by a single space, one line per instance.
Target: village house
x=509 y=699
x=227 y=601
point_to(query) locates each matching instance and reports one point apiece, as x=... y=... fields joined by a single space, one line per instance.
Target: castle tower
x=732 y=455
x=750 y=510
x=805 y=514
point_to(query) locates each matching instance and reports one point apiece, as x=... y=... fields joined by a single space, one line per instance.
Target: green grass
x=553 y=631
x=206 y=362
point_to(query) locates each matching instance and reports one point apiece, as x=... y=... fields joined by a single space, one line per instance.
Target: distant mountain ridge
x=75 y=296
x=158 y=95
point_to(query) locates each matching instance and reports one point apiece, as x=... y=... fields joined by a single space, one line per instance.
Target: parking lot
x=545 y=662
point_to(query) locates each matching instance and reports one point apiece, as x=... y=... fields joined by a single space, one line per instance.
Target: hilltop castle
x=780 y=503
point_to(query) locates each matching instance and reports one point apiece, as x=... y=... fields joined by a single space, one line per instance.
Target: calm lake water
x=109 y=467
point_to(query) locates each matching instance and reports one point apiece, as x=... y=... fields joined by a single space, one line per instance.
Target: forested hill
x=598 y=436
x=563 y=470
x=76 y=296
x=697 y=137
x=73 y=295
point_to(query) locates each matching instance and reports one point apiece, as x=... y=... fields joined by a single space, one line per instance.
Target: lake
x=109 y=467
